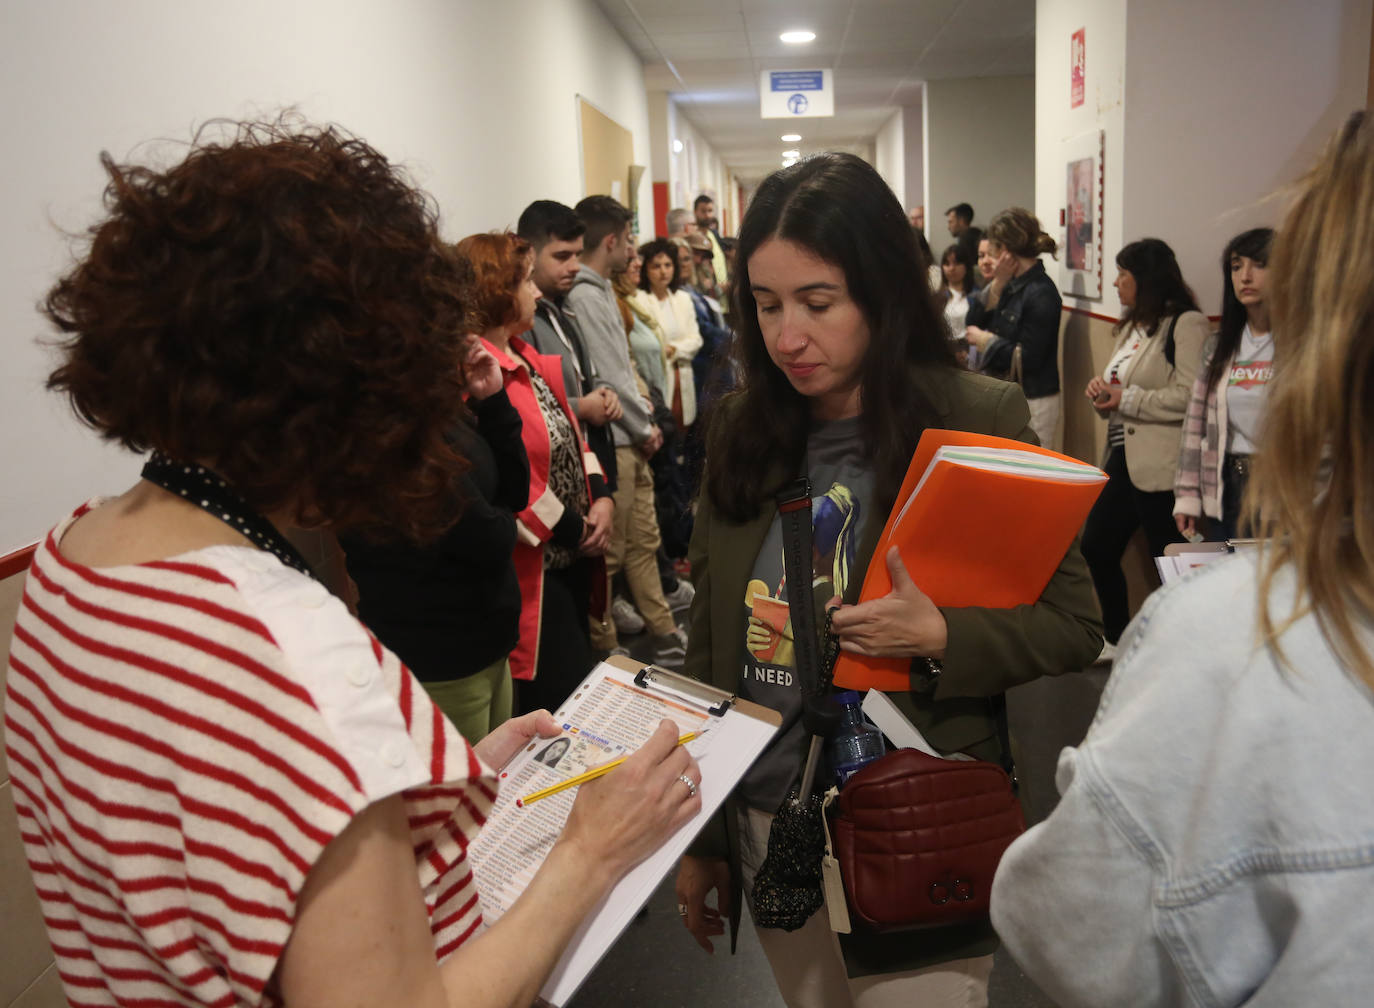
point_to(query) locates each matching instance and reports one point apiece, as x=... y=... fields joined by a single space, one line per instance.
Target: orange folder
x=971 y=538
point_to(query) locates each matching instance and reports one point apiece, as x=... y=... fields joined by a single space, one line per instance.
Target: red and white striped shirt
x=184 y=738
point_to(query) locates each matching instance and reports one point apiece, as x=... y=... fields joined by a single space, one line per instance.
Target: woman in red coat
x=562 y=533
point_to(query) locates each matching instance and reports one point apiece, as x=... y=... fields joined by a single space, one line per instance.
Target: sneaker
x=670 y=649
x=1107 y=655
x=626 y=617
x=681 y=596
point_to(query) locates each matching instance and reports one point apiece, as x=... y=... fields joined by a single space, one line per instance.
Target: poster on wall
x=1081 y=267
x=1078 y=67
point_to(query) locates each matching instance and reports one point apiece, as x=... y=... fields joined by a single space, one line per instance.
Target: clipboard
x=613 y=709
x=1180 y=559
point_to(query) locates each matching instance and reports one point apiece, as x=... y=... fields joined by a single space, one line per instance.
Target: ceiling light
x=793 y=154
x=791 y=137
x=798 y=37
x=677 y=146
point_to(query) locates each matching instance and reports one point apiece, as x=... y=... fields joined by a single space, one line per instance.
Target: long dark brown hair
x=838 y=208
x=1160 y=290
x=1253 y=244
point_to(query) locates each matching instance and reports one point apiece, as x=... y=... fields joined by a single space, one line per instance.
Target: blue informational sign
x=796 y=80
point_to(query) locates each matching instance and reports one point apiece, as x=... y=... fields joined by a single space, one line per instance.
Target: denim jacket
x=1026 y=314
x=1215 y=840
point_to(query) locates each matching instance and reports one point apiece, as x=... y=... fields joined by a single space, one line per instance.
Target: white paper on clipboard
x=607 y=716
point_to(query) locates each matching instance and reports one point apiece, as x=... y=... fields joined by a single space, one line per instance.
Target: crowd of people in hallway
x=533 y=445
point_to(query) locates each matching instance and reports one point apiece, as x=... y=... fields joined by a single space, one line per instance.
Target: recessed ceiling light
x=677 y=146
x=791 y=137
x=793 y=154
x=798 y=37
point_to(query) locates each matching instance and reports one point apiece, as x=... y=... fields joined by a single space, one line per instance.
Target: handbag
x=915 y=840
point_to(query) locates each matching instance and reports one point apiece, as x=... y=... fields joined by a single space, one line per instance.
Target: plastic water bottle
x=855 y=742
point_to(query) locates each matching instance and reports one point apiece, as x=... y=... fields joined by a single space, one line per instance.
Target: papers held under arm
x=980 y=521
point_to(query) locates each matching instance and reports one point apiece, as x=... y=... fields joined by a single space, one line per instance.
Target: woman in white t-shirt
x=1142 y=394
x=1229 y=396
x=959 y=283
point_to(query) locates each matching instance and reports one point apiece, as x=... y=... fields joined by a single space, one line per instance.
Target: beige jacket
x=684 y=346
x=1154 y=399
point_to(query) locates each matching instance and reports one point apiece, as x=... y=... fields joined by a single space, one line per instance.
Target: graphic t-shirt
x=1247 y=391
x=842 y=489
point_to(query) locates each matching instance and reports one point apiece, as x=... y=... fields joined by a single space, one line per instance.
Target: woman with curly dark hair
x=564 y=527
x=230 y=793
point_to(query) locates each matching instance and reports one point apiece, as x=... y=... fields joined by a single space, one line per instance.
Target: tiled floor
x=656 y=963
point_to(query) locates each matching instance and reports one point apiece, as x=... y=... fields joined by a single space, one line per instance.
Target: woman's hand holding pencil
x=589 y=775
x=631 y=812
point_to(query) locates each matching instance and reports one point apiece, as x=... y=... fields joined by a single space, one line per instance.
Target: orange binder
x=971 y=538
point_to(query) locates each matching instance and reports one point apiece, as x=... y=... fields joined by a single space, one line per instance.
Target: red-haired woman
x=563 y=531
x=229 y=792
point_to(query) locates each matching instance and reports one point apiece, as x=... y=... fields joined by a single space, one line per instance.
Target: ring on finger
x=691 y=785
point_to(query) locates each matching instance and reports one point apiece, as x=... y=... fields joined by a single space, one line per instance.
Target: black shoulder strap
x=794 y=506
x=1169 y=350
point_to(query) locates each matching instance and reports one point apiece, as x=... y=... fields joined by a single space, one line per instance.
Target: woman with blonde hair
x=1014 y=324
x=1215 y=826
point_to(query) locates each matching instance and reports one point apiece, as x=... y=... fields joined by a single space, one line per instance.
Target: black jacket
x=1026 y=315
x=450 y=609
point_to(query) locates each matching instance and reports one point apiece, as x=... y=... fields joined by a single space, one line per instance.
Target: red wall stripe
x=660 y=208
x=16 y=562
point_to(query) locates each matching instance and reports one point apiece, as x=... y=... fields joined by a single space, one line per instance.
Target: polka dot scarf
x=209 y=492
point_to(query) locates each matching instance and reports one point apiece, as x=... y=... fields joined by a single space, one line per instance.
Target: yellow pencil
x=582 y=778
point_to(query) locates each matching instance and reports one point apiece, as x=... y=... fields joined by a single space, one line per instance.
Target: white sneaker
x=626 y=617
x=1107 y=655
x=681 y=596
x=670 y=649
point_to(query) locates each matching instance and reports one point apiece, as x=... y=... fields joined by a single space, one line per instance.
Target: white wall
x=698 y=169
x=1275 y=91
x=980 y=148
x=1103 y=108
x=478 y=99
x=1210 y=111
x=889 y=154
x=914 y=157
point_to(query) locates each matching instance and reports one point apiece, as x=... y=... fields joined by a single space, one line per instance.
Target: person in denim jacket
x=1216 y=831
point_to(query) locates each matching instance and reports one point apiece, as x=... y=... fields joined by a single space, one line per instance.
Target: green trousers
x=477 y=703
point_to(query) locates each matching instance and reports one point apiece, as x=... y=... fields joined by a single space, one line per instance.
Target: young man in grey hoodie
x=606 y=248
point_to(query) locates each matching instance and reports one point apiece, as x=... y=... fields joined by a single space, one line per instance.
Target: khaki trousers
x=1044 y=419
x=634 y=547
x=809 y=968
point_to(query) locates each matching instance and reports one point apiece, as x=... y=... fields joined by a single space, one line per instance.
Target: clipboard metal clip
x=716 y=701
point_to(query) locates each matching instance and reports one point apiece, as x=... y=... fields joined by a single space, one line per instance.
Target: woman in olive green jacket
x=845 y=364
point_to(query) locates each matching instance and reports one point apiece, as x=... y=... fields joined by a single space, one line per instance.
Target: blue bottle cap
x=846 y=698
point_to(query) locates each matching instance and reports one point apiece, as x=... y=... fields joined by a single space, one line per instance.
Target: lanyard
x=213 y=495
